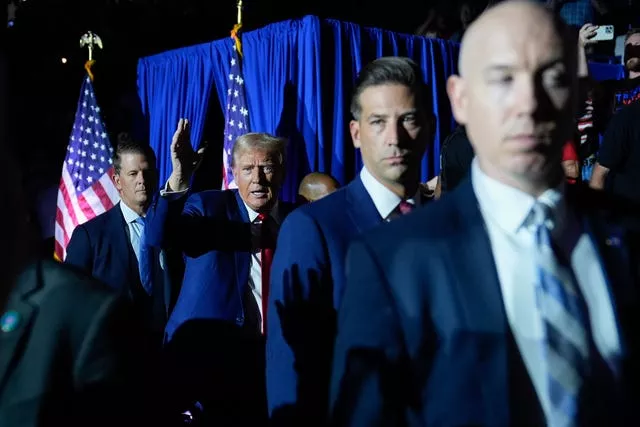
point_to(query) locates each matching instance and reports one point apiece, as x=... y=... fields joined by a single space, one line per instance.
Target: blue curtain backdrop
x=298 y=75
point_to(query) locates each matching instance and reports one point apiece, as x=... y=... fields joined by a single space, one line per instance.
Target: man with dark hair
x=391 y=126
x=108 y=246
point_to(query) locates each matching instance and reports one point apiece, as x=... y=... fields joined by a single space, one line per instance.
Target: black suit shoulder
x=98 y=223
x=77 y=364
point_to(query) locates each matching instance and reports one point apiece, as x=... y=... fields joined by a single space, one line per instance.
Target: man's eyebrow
x=492 y=68
x=377 y=116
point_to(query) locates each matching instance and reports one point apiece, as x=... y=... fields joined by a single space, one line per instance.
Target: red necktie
x=266 y=256
x=405 y=207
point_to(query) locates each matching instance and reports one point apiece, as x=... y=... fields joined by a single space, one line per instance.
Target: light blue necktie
x=144 y=253
x=565 y=317
x=136 y=236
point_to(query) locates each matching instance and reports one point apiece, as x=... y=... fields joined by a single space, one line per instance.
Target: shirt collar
x=129 y=214
x=385 y=200
x=508 y=206
x=253 y=215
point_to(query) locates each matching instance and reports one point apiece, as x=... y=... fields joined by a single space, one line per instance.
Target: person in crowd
x=315 y=186
x=618 y=166
x=599 y=101
x=511 y=300
x=108 y=247
x=468 y=11
x=215 y=345
x=69 y=354
x=576 y=13
x=391 y=125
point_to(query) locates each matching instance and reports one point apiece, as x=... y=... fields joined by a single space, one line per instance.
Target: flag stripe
x=86 y=189
x=236 y=116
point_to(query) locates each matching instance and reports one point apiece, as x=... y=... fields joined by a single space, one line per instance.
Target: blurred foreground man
x=507 y=302
x=67 y=352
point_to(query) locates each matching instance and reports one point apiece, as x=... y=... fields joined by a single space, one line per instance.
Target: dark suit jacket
x=423 y=338
x=307 y=283
x=101 y=247
x=213 y=343
x=69 y=359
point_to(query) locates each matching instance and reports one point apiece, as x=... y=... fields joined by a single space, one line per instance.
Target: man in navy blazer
x=108 y=246
x=214 y=332
x=391 y=126
x=459 y=314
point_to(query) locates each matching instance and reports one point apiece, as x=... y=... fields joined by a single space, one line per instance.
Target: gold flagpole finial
x=239 y=12
x=90 y=40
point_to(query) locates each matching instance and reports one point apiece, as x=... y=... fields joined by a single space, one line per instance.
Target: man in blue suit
x=391 y=126
x=214 y=332
x=509 y=302
x=108 y=246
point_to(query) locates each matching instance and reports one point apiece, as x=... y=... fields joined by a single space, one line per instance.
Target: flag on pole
x=237 y=114
x=86 y=189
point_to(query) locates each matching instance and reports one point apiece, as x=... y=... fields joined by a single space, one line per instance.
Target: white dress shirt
x=385 y=200
x=505 y=210
x=135 y=229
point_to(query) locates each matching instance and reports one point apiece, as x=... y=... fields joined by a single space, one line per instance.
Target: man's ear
x=458 y=97
x=116 y=181
x=354 y=129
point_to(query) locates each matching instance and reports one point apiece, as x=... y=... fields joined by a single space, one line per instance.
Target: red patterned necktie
x=405 y=207
x=266 y=256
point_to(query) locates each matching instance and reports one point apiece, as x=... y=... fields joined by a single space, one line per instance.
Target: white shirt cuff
x=168 y=193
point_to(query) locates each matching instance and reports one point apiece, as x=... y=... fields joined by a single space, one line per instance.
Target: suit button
x=239 y=320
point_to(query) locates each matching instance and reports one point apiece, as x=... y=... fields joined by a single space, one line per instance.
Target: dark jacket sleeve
x=368 y=360
x=301 y=325
x=196 y=224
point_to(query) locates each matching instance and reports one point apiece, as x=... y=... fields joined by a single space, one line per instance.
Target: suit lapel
x=360 y=207
x=481 y=302
x=121 y=240
x=19 y=313
x=236 y=211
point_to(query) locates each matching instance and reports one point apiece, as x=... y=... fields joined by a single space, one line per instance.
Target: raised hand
x=587 y=32
x=183 y=158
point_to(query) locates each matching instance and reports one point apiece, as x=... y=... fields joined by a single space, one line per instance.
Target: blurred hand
x=184 y=159
x=587 y=33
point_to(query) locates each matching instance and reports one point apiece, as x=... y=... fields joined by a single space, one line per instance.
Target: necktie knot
x=262 y=217
x=541 y=215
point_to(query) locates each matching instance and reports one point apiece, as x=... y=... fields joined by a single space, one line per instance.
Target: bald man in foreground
x=315 y=186
x=508 y=302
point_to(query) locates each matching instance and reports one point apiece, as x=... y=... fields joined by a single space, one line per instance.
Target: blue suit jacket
x=307 y=283
x=212 y=229
x=101 y=248
x=423 y=339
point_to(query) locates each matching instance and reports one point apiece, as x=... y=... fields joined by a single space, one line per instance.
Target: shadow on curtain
x=298 y=76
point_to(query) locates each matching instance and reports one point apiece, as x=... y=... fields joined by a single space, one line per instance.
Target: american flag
x=237 y=114
x=86 y=189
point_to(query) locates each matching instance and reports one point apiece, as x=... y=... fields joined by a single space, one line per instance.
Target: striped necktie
x=565 y=318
